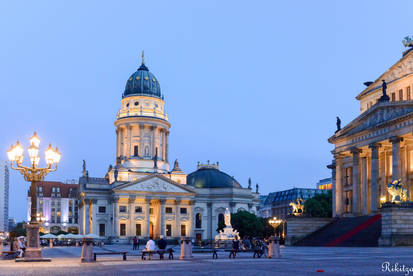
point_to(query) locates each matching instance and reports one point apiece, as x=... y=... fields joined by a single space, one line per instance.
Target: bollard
x=186 y=248
x=277 y=253
x=1 y=247
x=87 y=250
x=51 y=243
x=271 y=248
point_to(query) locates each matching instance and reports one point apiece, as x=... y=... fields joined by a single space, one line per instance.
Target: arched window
x=221 y=219
x=198 y=220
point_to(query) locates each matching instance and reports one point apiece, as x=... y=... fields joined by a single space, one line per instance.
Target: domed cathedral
x=142 y=130
x=140 y=195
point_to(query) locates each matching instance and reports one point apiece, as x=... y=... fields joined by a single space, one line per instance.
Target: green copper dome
x=211 y=178
x=142 y=83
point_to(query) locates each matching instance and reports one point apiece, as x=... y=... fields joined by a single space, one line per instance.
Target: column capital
x=178 y=201
x=355 y=150
x=132 y=198
x=337 y=155
x=395 y=139
x=374 y=146
x=162 y=201
x=116 y=199
x=209 y=204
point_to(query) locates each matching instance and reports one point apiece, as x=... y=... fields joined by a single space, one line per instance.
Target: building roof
x=292 y=195
x=211 y=177
x=142 y=83
x=47 y=187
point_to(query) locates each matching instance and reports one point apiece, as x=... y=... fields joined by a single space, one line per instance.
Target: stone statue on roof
x=338 y=123
x=384 y=97
x=249 y=183
x=84 y=167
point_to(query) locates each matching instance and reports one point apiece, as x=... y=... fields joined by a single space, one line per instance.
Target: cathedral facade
x=376 y=147
x=140 y=195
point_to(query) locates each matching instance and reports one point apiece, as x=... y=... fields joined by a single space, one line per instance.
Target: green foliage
x=221 y=226
x=319 y=205
x=248 y=224
x=20 y=230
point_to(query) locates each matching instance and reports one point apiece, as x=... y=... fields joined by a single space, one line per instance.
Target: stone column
x=177 y=218
x=129 y=127
x=396 y=157
x=83 y=218
x=147 y=216
x=153 y=140
x=162 y=224
x=191 y=219
x=374 y=174
x=115 y=217
x=332 y=167
x=86 y=217
x=167 y=146
x=131 y=215
x=117 y=144
x=364 y=187
x=339 y=195
x=95 y=226
x=141 y=132
x=356 y=181
x=209 y=225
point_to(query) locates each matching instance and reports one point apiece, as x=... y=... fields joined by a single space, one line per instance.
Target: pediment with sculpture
x=154 y=184
x=381 y=114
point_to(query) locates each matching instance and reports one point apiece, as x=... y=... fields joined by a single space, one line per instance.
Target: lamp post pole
x=33 y=174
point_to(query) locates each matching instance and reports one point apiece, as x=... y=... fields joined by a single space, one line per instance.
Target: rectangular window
x=168 y=210
x=348 y=175
x=183 y=230
x=102 y=209
x=122 y=209
x=401 y=94
x=138 y=230
x=102 y=229
x=151 y=211
x=393 y=97
x=70 y=220
x=138 y=209
x=135 y=151
x=348 y=201
x=168 y=230
x=183 y=210
x=122 y=229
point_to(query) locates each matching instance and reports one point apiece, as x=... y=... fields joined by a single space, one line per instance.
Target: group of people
x=260 y=246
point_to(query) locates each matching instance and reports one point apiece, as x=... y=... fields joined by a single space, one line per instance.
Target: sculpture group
x=298 y=208
x=397 y=191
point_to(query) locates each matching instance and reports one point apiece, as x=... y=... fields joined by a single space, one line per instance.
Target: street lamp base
x=33 y=250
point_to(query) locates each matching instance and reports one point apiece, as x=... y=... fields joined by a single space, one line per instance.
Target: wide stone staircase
x=352 y=231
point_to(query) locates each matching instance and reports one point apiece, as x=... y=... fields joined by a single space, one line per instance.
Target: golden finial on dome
x=143 y=56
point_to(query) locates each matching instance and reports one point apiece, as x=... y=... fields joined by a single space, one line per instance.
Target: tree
x=248 y=224
x=319 y=205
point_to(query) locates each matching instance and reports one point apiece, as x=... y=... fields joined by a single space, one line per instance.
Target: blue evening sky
x=255 y=85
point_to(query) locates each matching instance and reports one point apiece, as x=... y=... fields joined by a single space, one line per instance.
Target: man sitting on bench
x=150 y=247
x=162 y=246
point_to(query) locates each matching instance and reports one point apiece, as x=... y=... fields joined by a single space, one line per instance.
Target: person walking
x=235 y=247
x=135 y=243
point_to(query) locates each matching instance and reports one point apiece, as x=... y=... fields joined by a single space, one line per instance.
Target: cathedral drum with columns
x=375 y=148
x=140 y=195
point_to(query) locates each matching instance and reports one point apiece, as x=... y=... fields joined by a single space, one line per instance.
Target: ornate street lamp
x=33 y=174
x=274 y=222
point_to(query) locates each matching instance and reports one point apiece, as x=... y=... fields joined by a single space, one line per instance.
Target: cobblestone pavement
x=294 y=261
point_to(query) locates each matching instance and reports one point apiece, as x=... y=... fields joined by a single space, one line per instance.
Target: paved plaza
x=294 y=261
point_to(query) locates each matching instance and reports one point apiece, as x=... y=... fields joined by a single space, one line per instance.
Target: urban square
x=206 y=138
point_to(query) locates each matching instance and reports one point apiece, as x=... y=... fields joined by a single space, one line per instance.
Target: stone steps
x=354 y=231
